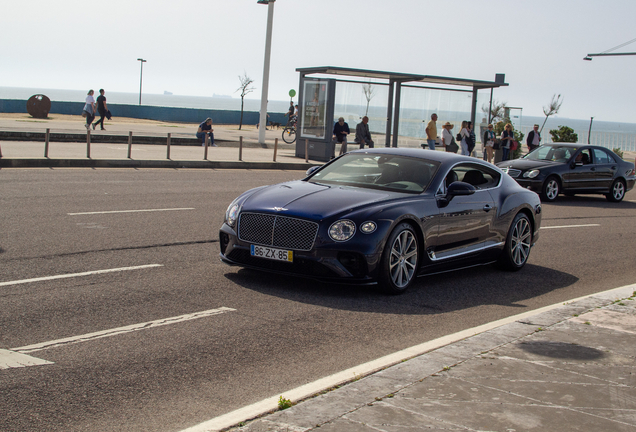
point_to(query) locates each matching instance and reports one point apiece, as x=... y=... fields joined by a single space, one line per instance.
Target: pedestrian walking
x=89 y=109
x=463 y=136
x=102 y=109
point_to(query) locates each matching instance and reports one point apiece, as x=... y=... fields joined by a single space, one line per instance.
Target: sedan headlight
x=531 y=174
x=231 y=214
x=342 y=230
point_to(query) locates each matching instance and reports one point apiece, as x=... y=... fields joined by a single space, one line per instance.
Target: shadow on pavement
x=434 y=294
x=561 y=350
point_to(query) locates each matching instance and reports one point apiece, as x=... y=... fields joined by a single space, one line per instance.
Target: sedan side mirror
x=574 y=164
x=312 y=170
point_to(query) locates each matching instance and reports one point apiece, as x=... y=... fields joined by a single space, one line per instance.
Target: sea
x=612 y=135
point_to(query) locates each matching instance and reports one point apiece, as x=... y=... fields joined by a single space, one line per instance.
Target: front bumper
x=333 y=263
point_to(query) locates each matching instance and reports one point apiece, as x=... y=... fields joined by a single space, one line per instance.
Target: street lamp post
x=268 y=48
x=141 y=76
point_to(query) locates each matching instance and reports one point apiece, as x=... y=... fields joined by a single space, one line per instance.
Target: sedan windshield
x=398 y=173
x=553 y=152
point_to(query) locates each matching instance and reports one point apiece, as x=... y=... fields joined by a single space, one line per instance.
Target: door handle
x=487 y=208
x=593 y=169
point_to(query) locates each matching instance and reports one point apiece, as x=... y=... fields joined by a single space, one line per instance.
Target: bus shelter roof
x=402 y=77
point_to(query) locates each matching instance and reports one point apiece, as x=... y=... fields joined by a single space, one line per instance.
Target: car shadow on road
x=592 y=201
x=433 y=294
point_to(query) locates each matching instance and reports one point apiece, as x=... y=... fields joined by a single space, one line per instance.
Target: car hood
x=524 y=164
x=311 y=200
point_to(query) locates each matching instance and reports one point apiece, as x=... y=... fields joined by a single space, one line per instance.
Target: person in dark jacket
x=340 y=132
x=102 y=109
x=534 y=138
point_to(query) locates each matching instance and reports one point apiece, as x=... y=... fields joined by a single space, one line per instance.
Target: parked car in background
x=572 y=169
x=384 y=216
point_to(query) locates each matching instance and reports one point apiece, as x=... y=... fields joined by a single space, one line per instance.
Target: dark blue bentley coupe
x=384 y=216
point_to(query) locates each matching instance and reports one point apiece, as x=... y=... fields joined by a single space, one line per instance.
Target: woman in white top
x=464 y=133
x=89 y=107
x=447 y=138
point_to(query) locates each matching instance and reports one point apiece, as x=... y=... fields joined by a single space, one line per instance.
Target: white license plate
x=271 y=253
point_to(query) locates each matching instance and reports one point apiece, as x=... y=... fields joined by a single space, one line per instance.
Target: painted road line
x=120 y=330
x=130 y=211
x=72 y=275
x=571 y=226
x=10 y=359
x=310 y=389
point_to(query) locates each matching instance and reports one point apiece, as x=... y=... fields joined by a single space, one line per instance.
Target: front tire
x=551 y=189
x=399 y=260
x=518 y=243
x=617 y=191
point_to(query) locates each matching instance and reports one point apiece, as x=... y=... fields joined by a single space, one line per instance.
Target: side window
x=477 y=175
x=602 y=157
x=584 y=156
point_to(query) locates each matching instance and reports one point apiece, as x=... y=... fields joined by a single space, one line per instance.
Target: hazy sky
x=199 y=47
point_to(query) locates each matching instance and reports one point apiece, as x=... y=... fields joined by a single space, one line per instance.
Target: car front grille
x=514 y=173
x=277 y=231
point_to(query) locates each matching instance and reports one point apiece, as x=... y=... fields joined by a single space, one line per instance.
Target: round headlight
x=368 y=227
x=531 y=174
x=342 y=230
x=231 y=214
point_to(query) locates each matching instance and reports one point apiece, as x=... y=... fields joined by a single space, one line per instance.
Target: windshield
x=397 y=173
x=554 y=153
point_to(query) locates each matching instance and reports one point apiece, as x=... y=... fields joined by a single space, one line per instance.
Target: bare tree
x=244 y=89
x=553 y=108
x=369 y=93
x=497 y=111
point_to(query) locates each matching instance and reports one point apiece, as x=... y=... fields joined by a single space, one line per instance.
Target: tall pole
x=268 y=48
x=141 y=74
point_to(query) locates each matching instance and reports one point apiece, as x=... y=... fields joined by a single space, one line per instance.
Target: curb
x=332 y=397
x=133 y=163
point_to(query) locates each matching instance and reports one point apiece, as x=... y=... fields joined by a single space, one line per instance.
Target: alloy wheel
x=520 y=245
x=403 y=259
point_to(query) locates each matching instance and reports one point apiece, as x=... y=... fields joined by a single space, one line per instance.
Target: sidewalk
x=570 y=368
x=114 y=154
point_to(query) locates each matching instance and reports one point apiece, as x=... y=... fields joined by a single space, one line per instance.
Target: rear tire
x=551 y=189
x=517 y=249
x=400 y=260
x=617 y=191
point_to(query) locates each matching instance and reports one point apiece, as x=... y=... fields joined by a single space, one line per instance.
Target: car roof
x=439 y=156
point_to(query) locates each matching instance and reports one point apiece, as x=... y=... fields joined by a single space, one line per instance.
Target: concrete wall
x=167 y=114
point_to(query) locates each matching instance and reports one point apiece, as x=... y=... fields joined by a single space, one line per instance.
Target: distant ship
x=166 y=92
x=221 y=96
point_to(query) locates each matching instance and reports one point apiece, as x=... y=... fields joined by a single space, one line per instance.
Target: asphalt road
x=275 y=334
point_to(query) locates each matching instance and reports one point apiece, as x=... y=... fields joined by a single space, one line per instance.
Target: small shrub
x=564 y=134
x=618 y=152
x=284 y=403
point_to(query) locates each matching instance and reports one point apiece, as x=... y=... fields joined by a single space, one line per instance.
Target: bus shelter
x=317 y=98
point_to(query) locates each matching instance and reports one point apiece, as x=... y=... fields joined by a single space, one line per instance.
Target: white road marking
x=130 y=211
x=71 y=275
x=10 y=359
x=120 y=330
x=570 y=226
x=310 y=389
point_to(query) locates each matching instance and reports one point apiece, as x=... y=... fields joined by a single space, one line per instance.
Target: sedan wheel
x=399 y=261
x=617 y=191
x=517 y=249
x=551 y=189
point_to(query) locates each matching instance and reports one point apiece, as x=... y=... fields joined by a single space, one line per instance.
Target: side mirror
x=460 y=188
x=575 y=164
x=455 y=189
x=312 y=170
